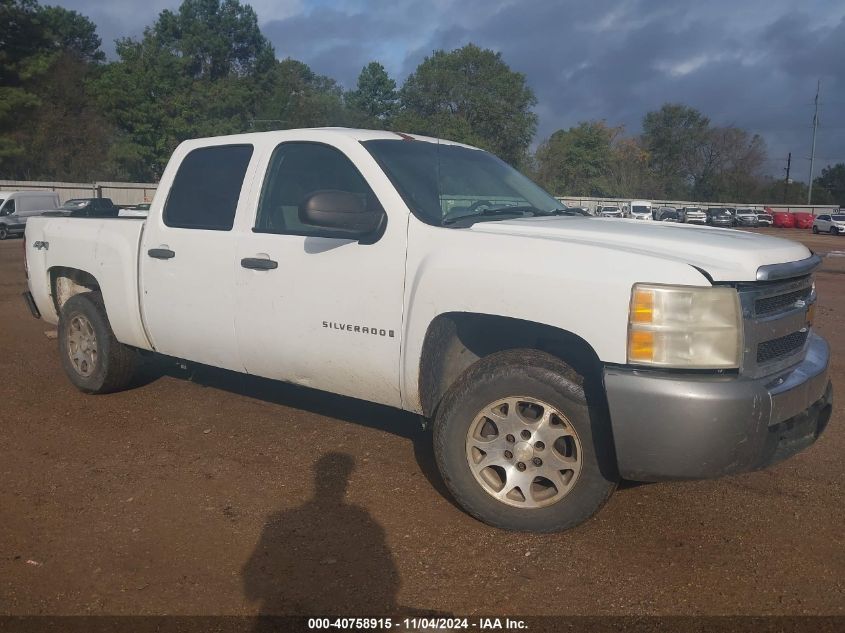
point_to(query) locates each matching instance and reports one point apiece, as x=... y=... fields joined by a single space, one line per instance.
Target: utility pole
x=813 y=151
x=786 y=181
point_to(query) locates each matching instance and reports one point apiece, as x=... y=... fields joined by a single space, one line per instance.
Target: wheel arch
x=65 y=282
x=454 y=341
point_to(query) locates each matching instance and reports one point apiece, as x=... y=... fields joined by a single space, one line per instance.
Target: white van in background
x=640 y=210
x=17 y=206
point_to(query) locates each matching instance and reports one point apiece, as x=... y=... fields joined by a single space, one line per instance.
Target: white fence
x=592 y=203
x=128 y=193
x=121 y=193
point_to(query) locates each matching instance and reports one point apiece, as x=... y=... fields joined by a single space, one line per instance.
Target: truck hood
x=724 y=254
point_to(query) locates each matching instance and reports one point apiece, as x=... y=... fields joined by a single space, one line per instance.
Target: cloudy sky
x=750 y=63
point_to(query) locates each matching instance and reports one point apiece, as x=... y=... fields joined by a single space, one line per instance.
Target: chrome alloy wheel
x=523 y=452
x=82 y=345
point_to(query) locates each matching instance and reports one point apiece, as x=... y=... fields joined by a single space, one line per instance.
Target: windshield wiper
x=489 y=213
x=560 y=212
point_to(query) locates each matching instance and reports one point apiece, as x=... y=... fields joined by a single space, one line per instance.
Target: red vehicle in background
x=803 y=220
x=784 y=219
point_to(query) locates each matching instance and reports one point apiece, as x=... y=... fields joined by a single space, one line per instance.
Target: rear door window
x=207 y=187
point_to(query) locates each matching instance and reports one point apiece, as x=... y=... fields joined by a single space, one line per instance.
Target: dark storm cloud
x=753 y=64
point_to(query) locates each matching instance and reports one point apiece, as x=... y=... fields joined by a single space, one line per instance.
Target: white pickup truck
x=554 y=353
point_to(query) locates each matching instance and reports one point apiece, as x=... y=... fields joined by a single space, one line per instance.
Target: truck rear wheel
x=93 y=359
x=518 y=446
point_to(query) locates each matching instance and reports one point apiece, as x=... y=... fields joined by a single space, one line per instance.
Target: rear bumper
x=669 y=425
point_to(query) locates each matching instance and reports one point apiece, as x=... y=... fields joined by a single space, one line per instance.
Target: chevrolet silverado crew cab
x=553 y=353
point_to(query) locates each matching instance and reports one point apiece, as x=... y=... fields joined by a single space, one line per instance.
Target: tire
x=83 y=325
x=815 y=229
x=832 y=230
x=538 y=384
x=4 y=232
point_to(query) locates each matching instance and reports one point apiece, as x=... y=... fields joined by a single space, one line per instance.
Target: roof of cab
x=324 y=133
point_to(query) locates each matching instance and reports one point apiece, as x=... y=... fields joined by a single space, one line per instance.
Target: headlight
x=687 y=327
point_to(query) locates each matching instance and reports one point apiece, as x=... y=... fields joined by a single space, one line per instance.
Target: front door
x=326 y=310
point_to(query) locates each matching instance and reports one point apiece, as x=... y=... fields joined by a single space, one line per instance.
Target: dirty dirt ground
x=207 y=492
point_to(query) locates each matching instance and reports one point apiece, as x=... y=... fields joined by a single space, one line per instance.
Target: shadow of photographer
x=326 y=557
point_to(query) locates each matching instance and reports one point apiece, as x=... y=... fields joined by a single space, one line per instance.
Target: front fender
x=580 y=288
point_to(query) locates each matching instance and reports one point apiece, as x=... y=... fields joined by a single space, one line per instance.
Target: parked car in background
x=694 y=215
x=17 y=206
x=830 y=223
x=747 y=217
x=668 y=214
x=609 y=212
x=783 y=220
x=640 y=210
x=87 y=208
x=765 y=219
x=565 y=207
x=803 y=220
x=719 y=216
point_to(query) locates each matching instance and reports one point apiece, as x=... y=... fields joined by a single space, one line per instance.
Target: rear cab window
x=207 y=187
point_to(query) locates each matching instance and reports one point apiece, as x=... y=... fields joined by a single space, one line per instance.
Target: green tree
x=40 y=46
x=71 y=33
x=215 y=39
x=576 y=162
x=830 y=186
x=374 y=101
x=298 y=97
x=470 y=95
x=674 y=137
x=199 y=71
x=727 y=166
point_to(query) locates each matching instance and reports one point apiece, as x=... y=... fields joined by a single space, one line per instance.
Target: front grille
x=769 y=305
x=779 y=347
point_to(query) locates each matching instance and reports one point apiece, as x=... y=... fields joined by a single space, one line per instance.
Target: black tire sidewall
x=84 y=305
x=4 y=232
x=496 y=378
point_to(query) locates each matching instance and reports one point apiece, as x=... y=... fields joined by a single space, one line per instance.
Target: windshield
x=638 y=209
x=839 y=218
x=610 y=209
x=437 y=180
x=669 y=214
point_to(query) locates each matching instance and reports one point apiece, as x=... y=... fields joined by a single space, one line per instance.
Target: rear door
x=187 y=258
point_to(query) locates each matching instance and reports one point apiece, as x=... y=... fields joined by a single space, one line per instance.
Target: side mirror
x=341 y=211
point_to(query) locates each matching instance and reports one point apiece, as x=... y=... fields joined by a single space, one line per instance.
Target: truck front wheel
x=520 y=448
x=93 y=359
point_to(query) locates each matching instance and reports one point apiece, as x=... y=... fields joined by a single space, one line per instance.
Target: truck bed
x=105 y=248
